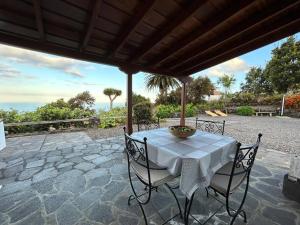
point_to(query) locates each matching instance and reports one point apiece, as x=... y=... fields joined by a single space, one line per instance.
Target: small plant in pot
x=182 y=131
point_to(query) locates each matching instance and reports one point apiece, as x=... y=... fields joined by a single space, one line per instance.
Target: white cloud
x=7 y=71
x=19 y=55
x=236 y=65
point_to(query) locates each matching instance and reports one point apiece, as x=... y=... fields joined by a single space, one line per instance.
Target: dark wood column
x=183 y=103
x=184 y=81
x=129 y=120
x=129 y=104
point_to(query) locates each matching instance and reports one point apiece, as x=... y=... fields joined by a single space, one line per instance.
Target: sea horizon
x=32 y=106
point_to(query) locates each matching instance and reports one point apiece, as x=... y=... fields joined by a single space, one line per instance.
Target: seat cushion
x=220 y=182
x=158 y=177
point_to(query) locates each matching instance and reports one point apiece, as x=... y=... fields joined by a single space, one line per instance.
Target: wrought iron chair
x=148 y=173
x=228 y=178
x=147 y=124
x=215 y=127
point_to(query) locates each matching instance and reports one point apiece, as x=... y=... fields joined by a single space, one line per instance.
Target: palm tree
x=226 y=81
x=162 y=82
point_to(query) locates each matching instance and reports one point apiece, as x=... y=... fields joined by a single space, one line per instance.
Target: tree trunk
x=111 y=104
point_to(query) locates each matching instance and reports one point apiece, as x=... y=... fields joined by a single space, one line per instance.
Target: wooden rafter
x=158 y=36
x=39 y=18
x=196 y=55
x=195 y=35
x=134 y=22
x=91 y=24
x=268 y=37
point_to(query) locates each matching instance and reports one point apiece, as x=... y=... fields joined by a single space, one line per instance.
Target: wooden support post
x=129 y=103
x=183 y=102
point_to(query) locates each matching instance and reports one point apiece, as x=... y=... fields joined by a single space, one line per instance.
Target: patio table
x=195 y=158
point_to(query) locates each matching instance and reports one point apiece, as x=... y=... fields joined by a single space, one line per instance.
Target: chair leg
x=143 y=212
x=207 y=193
x=178 y=205
x=188 y=205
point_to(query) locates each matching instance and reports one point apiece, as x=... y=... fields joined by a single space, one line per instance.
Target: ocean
x=29 y=107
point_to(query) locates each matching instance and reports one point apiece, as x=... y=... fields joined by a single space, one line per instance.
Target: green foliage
x=245 y=111
x=112 y=94
x=83 y=100
x=138 y=99
x=245 y=98
x=143 y=111
x=191 y=110
x=166 y=111
x=162 y=82
x=226 y=81
x=283 y=70
x=198 y=88
x=173 y=97
x=257 y=82
x=113 y=118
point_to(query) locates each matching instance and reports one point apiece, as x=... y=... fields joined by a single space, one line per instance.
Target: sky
x=33 y=77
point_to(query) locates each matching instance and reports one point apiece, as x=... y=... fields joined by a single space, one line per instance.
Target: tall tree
x=226 y=81
x=257 y=82
x=198 y=88
x=82 y=100
x=283 y=69
x=162 y=82
x=136 y=99
x=112 y=94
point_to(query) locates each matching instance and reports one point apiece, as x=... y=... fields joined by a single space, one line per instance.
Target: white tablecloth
x=196 y=158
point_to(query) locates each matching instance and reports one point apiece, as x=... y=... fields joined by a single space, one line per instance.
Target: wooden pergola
x=168 y=37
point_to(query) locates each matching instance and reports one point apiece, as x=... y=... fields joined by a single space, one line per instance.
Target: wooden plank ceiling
x=172 y=37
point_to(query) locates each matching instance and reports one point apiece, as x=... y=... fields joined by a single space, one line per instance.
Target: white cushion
x=220 y=182
x=158 y=177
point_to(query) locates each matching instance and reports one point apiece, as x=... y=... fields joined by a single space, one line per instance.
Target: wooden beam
x=39 y=18
x=195 y=35
x=134 y=22
x=91 y=24
x=176 y=19
x=197 y=54
x=183 y=103
x=269 y=37
x=129 y=104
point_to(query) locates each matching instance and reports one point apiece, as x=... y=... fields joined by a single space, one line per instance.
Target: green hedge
x=245 y=111
x=107 y=120
x=143 y=111
x=44 y=113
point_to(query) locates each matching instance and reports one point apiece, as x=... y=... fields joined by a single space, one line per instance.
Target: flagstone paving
x=68 y=179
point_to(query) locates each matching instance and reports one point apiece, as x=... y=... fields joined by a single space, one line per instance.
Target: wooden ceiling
x=171 y=37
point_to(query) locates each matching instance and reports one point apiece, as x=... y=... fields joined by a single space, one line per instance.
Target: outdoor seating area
x=72 y=179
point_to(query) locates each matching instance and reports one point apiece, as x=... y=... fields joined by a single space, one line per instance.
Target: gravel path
x=279 y=133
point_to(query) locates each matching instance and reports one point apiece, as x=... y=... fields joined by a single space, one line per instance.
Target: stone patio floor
x=71 y=179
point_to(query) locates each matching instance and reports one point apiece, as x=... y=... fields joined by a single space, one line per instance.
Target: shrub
x=243 y=98
x=166 y=111
x=191 y=110
x=292 y=102
x=142 y=111
x=245 y=111
x=113 y=118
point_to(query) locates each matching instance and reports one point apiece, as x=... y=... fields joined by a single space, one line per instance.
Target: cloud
x=7 y=71
x=74 y=82
x=236 y=65
x=19 y=55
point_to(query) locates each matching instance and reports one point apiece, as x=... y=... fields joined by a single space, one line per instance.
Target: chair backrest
x=243 y=162
x=147 y=124
x=216 y=127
